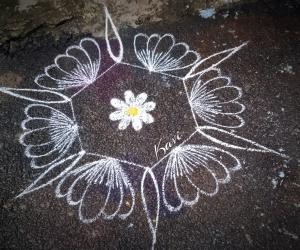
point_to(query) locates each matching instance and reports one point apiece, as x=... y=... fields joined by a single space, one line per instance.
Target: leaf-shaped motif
x=36 y=95
x=231 y=140
x=54 y=172
x=152 y=216
x=110 y=26
x=211 y=62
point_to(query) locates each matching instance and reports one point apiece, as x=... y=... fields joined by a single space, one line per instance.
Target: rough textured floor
x=257 y=209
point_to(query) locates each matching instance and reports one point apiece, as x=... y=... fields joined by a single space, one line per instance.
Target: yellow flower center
x=132 y=111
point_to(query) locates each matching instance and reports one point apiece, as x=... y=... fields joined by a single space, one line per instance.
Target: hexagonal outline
x=156 y=163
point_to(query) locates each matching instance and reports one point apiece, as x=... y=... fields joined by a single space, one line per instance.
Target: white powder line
x=119 y=160
x=102 y=74
x=161 y=73
x=160 y=54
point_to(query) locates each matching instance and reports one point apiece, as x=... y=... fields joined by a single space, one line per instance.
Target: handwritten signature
x=161 y=150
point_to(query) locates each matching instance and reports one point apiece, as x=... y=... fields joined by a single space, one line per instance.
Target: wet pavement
x=257 y=209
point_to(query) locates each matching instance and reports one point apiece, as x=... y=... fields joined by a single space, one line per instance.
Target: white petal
x=117 y=103
x=117 y=115
x=149 y=106
x=147 y=118
x=137 y=124
x=140 y=42
x=129 y=97
x=141 y=98
x=124 y=123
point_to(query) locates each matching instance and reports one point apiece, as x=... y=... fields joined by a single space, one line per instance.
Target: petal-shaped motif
x=216 y=102
x=162 y=54
x=129 y=97
x=48 y=134
x=79 y=66
x=99 y=189
x=147 y=118
x=117 y=115
x=149 y=106
x=137 y=124
x=124 y=123
x=117 y=103
x=140 y=99
x=192 y=170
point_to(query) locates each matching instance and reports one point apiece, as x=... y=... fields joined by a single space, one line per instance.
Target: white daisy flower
x=134 y=110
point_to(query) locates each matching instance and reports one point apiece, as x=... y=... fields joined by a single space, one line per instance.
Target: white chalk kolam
x=214 y=101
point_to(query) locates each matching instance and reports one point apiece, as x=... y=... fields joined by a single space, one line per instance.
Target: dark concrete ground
x=258 y=209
